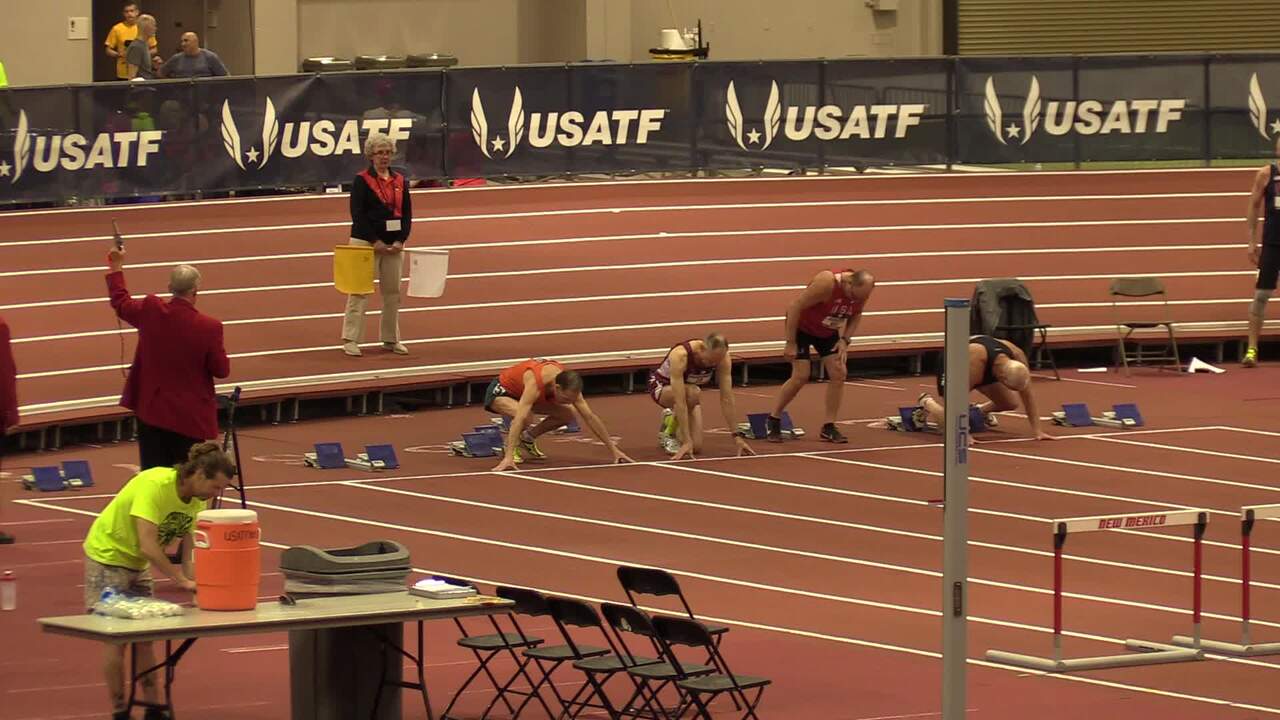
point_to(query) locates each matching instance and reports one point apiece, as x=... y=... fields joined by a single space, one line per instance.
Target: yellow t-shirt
x=118 y=39
x=151 y=495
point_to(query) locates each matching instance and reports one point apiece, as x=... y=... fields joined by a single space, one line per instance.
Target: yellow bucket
x=353 y=269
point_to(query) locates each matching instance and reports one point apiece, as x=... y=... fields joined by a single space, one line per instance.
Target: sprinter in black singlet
x=998 y=370
x=1265 y=201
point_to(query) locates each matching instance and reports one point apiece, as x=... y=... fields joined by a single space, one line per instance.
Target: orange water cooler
x=228 y=559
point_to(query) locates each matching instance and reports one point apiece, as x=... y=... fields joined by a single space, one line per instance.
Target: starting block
x=73 y=475
x=757 y=426
x=486 y=441
x=906 y=421
x=331 y=456
x=1123 y=415
x=504 y=422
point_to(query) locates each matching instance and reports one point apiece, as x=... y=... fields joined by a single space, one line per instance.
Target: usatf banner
x=302 y=131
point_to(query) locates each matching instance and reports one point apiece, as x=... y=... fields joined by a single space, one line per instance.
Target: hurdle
x=1249 y=515
x=1147 y=652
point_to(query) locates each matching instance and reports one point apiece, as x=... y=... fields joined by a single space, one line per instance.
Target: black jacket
x=369 y=216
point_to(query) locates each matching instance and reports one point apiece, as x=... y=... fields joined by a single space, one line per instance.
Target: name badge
x=393 y=225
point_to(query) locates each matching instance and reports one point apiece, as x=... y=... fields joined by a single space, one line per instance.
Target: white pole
x=955 y=563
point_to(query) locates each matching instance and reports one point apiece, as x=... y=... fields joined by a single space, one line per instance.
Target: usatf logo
x=826 y=122
x=73 y=151
x=569 y=128
x=295 y=139
x=1258 y=111
x=1085 y=117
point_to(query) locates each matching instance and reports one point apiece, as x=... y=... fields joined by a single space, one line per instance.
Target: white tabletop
x=309 y=614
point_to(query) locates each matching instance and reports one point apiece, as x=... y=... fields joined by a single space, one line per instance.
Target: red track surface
x=519 y=275
x=824 y=566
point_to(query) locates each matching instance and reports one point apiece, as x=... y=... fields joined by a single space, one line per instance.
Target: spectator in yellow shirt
x=122 y=35
x=154 y=509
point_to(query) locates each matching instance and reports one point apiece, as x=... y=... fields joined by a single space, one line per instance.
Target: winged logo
x=991 y=107
x=270 y=132
x=1258 y=107
x=480 y=125
x=772 y=116
x=1031 y=111
x=230 y=135
x=21 y=146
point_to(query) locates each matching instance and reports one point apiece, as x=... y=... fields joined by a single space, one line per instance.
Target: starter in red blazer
x=179 y=353
x=8 y=382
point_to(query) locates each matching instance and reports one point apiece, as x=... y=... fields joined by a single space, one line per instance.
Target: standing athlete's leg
x=1268 y=270
x=836 y=373
x=788 y=392
x=693 y=401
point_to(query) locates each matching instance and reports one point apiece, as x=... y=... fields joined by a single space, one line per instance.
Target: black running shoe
x=832 y=435
x=773 y=429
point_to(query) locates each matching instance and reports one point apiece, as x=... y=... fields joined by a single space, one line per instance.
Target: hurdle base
x=1229 y=648
x=1148 y=653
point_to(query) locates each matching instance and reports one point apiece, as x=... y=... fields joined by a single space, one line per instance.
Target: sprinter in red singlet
x=675 y=385
x=543 y=387
x=824 y=317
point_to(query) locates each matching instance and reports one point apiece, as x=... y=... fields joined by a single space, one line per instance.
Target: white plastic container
x=8 y=591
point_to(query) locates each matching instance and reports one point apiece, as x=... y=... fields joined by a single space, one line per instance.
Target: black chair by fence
x=600 y=669
x=650 y=675
x=488 y=648
x=1004 y=308
x=547 y=658
x=704 y=688
x=652 y=581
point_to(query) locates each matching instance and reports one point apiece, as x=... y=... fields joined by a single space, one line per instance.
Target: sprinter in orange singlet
x=544 y=387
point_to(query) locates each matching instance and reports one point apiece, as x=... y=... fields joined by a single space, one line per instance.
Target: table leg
x=418 y=662
x=168 y=665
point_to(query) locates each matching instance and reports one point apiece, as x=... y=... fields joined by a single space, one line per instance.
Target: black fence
x=220 y=134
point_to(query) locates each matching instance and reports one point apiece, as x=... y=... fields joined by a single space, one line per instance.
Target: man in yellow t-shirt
x=152 y=510
x=123 y=33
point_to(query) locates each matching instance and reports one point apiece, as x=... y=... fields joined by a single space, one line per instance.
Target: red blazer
x=8 y=382
x=179 y=353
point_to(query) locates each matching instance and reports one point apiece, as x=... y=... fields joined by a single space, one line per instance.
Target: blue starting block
x=906 y=421
x=757 y=426
x=1122 y=415
x=476 y=444
x=74 y=474
x=385 y=454
x=328 y=456
x=570 y=428
x=493 y=434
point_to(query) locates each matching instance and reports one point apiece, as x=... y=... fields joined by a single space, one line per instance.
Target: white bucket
x=671 y=39
x=428 y=270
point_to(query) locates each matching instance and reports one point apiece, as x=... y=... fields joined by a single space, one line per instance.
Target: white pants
x=386 y=268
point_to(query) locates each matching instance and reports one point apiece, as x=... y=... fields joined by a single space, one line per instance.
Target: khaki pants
x=386 y=268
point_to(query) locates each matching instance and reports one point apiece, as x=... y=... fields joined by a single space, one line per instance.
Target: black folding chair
x=486 y=649
x=547 y=658
x=650 y=677
x=703 y=688
x=651 y=581
x=599 y=669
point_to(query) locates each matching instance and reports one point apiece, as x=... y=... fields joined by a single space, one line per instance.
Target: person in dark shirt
x=193 y=61
x=381 y=216
x=1264 y=201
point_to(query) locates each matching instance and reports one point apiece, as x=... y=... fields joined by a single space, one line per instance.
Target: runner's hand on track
x=508 y=463
x=620 y=457
x=1045 y=436
x=743 y=447
x=685 y=451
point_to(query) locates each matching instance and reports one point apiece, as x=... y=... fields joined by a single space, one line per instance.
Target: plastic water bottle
x=8 y=591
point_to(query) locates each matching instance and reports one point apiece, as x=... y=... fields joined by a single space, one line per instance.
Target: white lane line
x=1197 y=451
x=658 y=236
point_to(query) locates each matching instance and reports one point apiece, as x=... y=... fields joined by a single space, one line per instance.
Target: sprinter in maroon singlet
x=675 y=385
x=824 y=317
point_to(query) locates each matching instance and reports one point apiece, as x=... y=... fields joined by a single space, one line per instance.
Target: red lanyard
x=390 y=191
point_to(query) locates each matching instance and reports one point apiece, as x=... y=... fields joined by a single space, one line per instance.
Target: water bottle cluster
x=117 y=604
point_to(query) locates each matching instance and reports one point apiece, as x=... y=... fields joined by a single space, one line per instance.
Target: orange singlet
x=512 y=379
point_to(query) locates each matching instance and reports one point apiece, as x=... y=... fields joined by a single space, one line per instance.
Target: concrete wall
x=229 y=32
x=37 y=51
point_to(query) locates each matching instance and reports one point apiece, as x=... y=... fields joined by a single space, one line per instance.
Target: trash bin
x=431 y=60
x=324 y=682
x=353 y=269
x=327 y=64
x=379 y=62
x=428 y=271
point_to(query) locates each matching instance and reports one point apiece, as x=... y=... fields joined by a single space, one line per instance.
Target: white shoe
x=670 y=443
x=352 y=349
x=395 y=347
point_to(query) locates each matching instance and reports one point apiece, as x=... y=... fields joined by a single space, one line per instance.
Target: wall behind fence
x=36 y=49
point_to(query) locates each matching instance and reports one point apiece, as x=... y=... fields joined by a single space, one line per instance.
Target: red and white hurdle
x=1249 y=515
x=1148 y=653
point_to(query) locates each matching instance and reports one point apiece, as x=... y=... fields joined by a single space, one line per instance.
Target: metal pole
x=955 y=563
